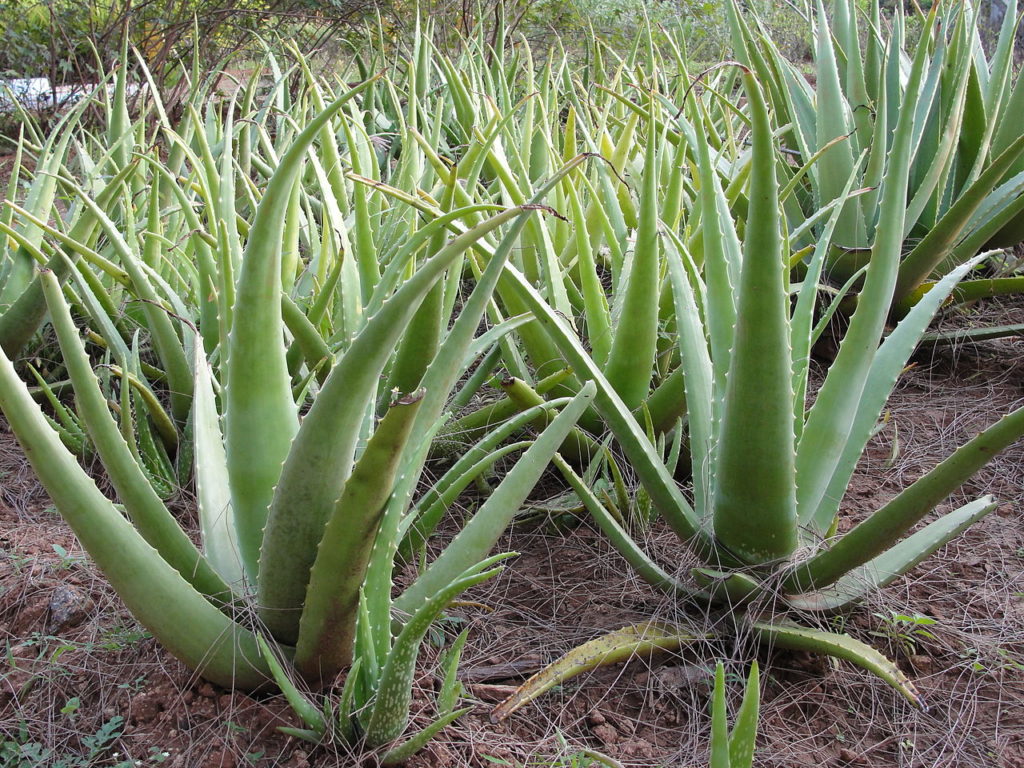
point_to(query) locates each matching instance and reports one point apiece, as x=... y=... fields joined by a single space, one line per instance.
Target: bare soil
x=75 y=662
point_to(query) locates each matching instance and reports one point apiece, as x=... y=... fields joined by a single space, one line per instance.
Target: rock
x=68 y=608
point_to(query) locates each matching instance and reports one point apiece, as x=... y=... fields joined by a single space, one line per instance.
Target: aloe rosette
x=769 y=473
x=298 y=513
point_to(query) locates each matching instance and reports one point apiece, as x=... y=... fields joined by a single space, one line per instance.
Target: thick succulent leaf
x=633 y=349
x=882 y=376
x=875 y=534
x=649 y=570
x=827 y=427
x=967 y=335
x=613 y=648
x=744 y=729
x=754 y=502
x=642 y=455
x=182 y=620
x=151 y=517
x=842 y=646
x=319 y=462
x=326 y=631
x=390 y=707
x=720 y=757
x=23 y=318
x=482 y=532
x=405 y=750
x=882 y=570
x=261 y=417
x=213 y=493
x=834 y=120
x=698 y=374
x=307 y=711
x=933 y=248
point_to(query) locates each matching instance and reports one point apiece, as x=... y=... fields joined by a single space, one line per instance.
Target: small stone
x=596 y=718
x=68 y=608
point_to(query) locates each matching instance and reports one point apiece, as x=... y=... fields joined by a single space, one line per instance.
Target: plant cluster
x=298 y=295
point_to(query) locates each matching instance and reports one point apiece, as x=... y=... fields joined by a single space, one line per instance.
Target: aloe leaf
x=419 y=343
x=165 y=339
x=754 y=467
x=306 y=734
x=698 y=374
x=633 y=348
x=39 y=200
x=744 y=728
x=346 y=723
x=181 y=618
x=942 y=155
x=828 y=424
x=842 y=646
x=447 y=490
x=438 y=381
x=365 y=246
x=482 y=532
x=882 y=570
x=930 y=252
x=641 y=562
x=634 y=443
x=320 y=460
x=613 y=648
x=804 y=330
x=23 y=318
x=327 y=627
x=885 y=369
x=835 y=166
x=405 y=750
x=307 y=711
x=723 y=257
x=261 y=418
x=213 y=492
x=598 y=317
x=451 y=688
x=390 y=707
x=151 y=517
x=878 y=532
x=315 y=351
x=720 y=757
x=963 y=335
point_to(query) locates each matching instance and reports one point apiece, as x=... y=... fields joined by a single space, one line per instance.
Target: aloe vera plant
x=769 y=473
x=300 y=517
x=611 y=209
x=964 y=187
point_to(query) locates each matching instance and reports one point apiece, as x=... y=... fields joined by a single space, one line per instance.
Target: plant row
x=300 y=295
